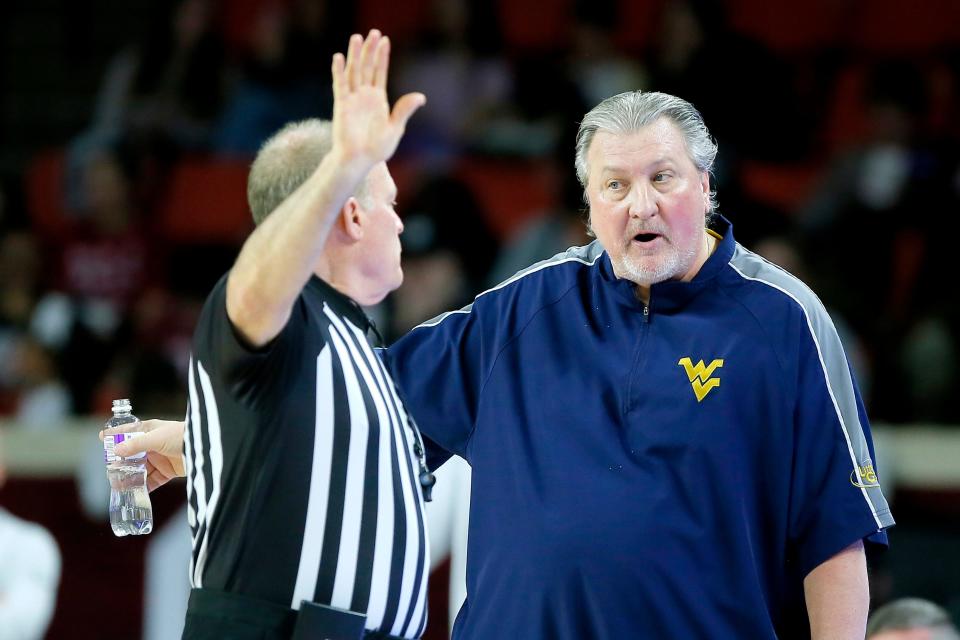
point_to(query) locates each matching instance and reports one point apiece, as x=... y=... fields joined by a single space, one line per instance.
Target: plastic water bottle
x=130 y=509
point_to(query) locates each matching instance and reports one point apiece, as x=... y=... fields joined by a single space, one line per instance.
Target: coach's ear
x=350 y=220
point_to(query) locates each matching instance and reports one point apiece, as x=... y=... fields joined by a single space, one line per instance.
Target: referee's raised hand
x=364 y=127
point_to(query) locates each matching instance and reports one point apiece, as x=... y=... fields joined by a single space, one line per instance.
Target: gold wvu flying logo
x=699 y=375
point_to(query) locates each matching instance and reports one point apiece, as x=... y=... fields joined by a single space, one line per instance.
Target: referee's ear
x=351 y=220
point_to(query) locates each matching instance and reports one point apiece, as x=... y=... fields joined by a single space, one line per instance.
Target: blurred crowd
x=838 y=160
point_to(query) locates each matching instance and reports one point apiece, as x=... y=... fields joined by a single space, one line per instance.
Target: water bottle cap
x=123 y=403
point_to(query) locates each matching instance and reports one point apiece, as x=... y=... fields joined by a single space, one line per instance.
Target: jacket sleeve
x=440 y=368
x=835 y=495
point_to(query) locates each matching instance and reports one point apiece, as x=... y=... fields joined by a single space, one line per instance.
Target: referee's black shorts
x=216 y=615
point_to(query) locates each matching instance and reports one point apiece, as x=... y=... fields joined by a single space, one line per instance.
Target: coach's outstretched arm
x=279 y=256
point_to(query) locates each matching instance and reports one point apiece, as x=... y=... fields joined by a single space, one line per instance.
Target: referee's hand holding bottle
x=163 y=442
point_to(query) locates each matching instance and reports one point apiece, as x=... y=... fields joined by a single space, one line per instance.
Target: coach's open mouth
x=646 y=237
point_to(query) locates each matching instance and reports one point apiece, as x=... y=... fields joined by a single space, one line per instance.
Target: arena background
x=128 y=127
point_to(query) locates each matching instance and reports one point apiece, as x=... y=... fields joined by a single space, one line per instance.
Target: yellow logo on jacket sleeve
x=700 y=376
x=867 y=476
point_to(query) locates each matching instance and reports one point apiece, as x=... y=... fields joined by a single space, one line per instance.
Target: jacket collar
x=666 y=297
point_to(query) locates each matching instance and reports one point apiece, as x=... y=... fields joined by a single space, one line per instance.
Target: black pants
x=216 y=615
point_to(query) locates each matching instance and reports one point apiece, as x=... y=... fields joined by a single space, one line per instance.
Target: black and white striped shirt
x=301 y=467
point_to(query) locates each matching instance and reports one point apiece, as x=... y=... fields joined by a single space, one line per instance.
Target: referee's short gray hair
x=630 y=111
x=285 y=161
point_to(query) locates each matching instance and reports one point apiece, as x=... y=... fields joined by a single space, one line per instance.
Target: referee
x=303 y=467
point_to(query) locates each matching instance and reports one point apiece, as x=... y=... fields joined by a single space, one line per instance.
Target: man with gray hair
x=665 y=438
x=911 y=619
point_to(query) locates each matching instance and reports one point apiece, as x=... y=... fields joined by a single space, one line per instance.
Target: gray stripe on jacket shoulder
x=835 y=370
x=587 y=254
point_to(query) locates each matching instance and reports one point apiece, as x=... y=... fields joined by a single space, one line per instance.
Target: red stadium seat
x=402 y=21
x=846 y=123
x=892 y=27
x=407 y=173
x=510 y=192
x=532 y=25
x=45 y=194
x=238 y=19
x=788 y=28
x=782 y=187
x=206 y=203
x=636 y=22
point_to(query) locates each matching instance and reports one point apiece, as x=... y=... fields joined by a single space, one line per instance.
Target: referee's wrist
x=349 y=165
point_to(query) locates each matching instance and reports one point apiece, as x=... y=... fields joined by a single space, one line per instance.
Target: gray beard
x=673 y=266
